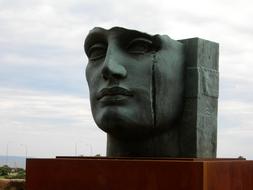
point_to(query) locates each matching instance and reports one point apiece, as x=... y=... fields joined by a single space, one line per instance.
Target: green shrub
x=5 y=170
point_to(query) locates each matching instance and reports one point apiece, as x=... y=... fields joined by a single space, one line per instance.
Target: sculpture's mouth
x=113 y=92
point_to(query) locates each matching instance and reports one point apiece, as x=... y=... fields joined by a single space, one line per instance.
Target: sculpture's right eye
x=97 y=51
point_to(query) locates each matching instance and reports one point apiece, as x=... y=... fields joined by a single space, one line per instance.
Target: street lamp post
x=7 y=153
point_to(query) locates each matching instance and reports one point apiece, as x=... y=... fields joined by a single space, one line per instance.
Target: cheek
x=92 y=76
x=140 y=72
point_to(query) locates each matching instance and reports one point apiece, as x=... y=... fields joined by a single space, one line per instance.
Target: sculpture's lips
x=113 y=91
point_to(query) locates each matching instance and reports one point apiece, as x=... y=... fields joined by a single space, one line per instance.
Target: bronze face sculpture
x=136 y=84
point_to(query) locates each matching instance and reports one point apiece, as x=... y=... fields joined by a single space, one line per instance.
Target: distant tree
x=5 y=170
x=20 y=170
x=21 y=173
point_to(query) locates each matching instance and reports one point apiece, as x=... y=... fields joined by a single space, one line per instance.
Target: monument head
x=135 y=80
x=136 y=84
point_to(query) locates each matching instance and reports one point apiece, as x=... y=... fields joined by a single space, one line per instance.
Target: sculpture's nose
x=113 y=67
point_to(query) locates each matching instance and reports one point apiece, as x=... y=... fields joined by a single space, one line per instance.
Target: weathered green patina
x=152 y=95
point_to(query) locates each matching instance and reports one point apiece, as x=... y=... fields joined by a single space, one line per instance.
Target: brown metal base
x=101 y=173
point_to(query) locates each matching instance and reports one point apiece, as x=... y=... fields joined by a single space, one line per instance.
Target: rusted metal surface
x=228 y=175
x=95 y=173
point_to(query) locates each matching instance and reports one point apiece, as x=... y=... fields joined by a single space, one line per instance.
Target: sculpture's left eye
x=139 y=46
x=97 y=51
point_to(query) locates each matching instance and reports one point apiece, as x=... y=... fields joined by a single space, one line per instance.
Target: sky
x=44 y=98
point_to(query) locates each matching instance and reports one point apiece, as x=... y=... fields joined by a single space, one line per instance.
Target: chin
x=124 y=129
x=109 y=120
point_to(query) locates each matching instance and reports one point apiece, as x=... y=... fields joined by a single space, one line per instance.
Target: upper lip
x=116 y=90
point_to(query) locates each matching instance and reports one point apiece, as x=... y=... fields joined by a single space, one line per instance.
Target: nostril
x=105 y=72
x=104 y=77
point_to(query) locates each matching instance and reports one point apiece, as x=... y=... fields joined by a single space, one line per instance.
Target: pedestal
x=100 y=173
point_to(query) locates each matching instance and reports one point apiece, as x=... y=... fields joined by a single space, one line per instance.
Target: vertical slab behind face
x=198 y=130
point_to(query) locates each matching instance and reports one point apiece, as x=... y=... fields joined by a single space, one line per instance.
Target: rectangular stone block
x=198 y=130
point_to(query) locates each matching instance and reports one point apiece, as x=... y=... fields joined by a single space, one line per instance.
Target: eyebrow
x=132 y=34
x=136 y=34
x=126 y=36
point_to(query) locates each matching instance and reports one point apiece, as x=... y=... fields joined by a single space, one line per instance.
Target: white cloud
x=235 y=129
x=42 y=120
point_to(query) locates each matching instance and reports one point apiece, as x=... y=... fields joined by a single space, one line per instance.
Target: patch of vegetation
x=5 y=170
x=12 y=173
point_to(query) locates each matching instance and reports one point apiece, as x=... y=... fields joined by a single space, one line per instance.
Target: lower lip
x=114 y=98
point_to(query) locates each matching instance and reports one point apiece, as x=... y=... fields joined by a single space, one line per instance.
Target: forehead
x=98 y=34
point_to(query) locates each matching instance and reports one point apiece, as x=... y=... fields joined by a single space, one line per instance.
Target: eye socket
x=139 y=46
x=97 y=51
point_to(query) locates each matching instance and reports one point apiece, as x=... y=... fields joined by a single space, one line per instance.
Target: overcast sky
x=44 y=105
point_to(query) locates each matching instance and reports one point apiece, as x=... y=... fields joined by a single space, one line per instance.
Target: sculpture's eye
x=139 y=46
x=97 y=51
